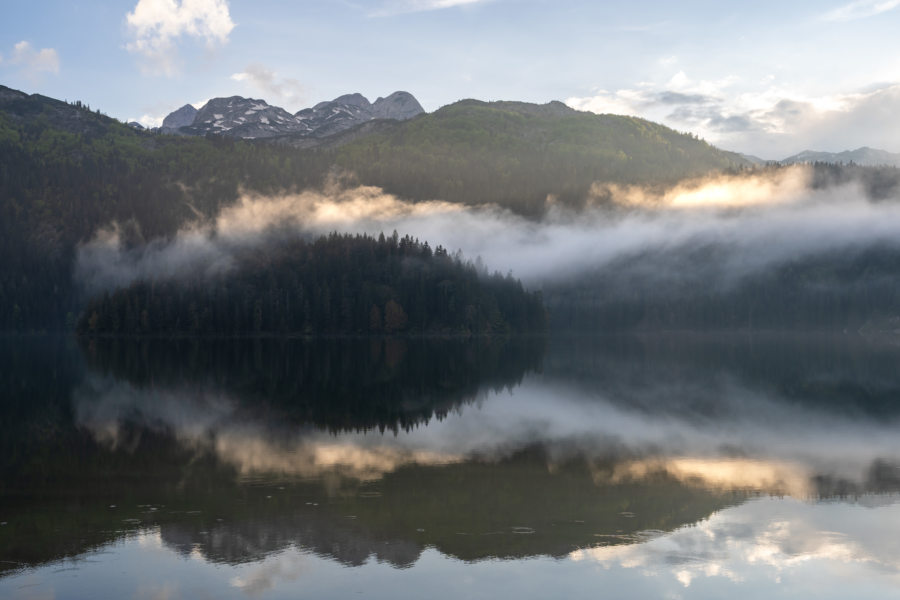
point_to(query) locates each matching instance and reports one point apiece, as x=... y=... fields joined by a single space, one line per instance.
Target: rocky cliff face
x=250 y=118
x=399 y=106
x=182 y=117
x=244 y=118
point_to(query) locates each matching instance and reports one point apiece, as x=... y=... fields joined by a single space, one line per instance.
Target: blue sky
x=767 y=78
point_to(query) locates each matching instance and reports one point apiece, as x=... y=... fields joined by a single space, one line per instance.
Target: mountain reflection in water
x=623 y=452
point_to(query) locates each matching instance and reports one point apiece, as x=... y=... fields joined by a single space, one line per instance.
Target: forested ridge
x=337 y=284
x=834 y=291
x=517 y=154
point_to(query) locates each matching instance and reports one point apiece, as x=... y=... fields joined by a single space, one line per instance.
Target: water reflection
x=747 y=541
x=681 y=459
x=334 y=384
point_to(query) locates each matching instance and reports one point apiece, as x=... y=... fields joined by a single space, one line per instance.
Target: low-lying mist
x=717 y=230
x=758 y=440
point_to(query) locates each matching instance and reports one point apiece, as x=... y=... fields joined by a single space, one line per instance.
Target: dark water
x=662 y=467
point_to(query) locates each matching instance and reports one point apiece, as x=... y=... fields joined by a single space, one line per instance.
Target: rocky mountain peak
x=180 y=118
x=236 y=116
x=355 y=99
x=399 y=106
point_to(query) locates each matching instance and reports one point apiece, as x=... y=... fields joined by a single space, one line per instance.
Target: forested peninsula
x=336 y=284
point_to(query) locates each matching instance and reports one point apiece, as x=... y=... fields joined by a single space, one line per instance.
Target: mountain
x=344 y=112
x=865 y=156
x=21 y=109
x=250 y=118
x=182 y=117
x=755 y=160
x=518 y=154
x=243 y=118
x=398 y=106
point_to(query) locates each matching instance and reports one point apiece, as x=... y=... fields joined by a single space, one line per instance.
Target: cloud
x=396 y=7
x=212 y=421
x=860 y=9
x=755 y=222
x=34 y=62
x=148 y=121
x=705 y=425
x=157 y=25
x=768 y=540
x=286 y=90
x=269 y=572
x=772 y=121
x=208 y=249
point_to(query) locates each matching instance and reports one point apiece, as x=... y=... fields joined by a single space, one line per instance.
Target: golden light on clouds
x=779 y=187
x=758 y=475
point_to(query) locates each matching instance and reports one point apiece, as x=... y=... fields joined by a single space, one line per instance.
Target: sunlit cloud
x=758 y=221
x=769 y=476
x=157 y=25
x=252 y=453
x=860 y=9
x=32 y=61
x=270 y=84
x=783 y=187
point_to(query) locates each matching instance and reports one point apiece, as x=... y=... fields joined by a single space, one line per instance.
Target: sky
x=764 y=78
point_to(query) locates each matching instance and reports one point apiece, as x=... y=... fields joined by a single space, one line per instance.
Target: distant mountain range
x=865 y=157
x=250 y=118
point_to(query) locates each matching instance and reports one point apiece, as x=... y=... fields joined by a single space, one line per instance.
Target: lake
x=666 y=466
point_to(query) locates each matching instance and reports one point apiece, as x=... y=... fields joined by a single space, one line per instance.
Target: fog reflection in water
x=711 y=428
x=672 y=465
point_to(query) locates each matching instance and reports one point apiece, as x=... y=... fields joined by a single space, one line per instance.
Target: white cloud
x=158 y=24
x=764 y=119
x=395 y=7
x=32 y=61
x=149 y=121
x=860 y=10
x=286 y=90
x=768 y=540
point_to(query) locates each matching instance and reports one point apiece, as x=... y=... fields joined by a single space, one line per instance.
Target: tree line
x=336 y=284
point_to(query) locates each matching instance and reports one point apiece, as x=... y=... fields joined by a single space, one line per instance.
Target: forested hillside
x=517 y=154
x=339 y=284
x=835 y=291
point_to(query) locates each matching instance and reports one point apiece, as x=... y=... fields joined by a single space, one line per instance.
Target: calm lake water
x=652 y=467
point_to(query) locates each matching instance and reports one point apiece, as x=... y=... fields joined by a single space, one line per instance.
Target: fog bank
x=740 y=225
